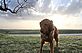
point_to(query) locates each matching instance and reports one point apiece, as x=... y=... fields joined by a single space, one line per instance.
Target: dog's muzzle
x=46 y=35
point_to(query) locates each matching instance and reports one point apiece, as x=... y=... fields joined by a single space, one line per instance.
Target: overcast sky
x=66 y=14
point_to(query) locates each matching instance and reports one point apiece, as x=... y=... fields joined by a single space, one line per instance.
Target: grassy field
x=31 y=44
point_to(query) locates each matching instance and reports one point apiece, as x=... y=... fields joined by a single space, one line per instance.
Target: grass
x=31 y=44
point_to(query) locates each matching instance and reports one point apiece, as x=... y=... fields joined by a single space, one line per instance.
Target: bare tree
x=25 y=4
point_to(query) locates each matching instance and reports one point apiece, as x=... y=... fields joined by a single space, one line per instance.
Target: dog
x=48 y=32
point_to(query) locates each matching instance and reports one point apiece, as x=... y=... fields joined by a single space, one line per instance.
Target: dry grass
x=31 y=44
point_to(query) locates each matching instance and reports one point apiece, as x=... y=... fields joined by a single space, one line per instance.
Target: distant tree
x=4 y=5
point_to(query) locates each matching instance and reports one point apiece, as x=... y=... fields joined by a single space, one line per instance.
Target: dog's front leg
x=51 y=47
x=42 y=42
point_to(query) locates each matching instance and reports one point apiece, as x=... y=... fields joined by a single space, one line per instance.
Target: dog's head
x=46 y=26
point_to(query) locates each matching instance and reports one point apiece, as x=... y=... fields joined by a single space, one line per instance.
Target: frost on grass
x=31 y=44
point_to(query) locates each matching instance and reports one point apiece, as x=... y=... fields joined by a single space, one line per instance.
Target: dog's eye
x=45 y=24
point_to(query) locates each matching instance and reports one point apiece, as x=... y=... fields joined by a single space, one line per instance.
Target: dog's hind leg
x=56 y=39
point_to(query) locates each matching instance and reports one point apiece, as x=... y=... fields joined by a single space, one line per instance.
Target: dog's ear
x=51 y=25
x=51 y=21
x=40 y=24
